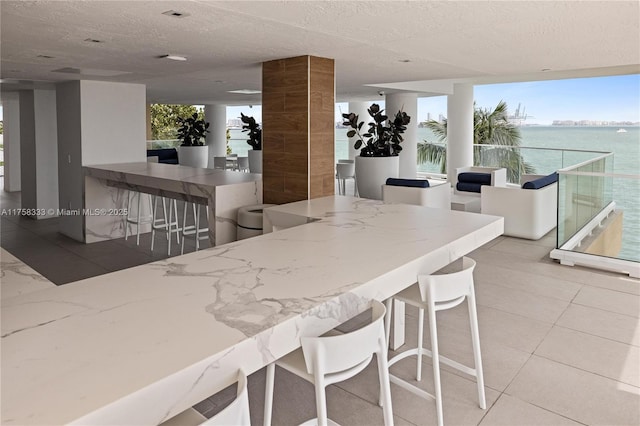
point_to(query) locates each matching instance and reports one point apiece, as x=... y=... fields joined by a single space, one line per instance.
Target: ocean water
x=626 y=161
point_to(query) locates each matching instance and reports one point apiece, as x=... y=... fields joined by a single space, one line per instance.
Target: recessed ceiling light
x=546 y=69
x=175 y=14
x=219 y=81
x=245 y=91
x=173 y=57
x=404 y=60
x=46 y=56
x=93 y=40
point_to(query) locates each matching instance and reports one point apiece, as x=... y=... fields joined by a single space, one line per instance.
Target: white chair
x=498 y=177
x=196 y=230
x=437 y=196
x=220 y=163
x=346 y=171
x=236 y=413
x=331 y=359
x=346 y=161
x=436 y=293
x=243 y=164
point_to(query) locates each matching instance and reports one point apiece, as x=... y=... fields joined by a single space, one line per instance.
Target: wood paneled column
x=298 y=137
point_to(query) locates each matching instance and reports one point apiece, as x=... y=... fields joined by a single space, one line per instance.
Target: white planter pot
x=255 y=161
x=193 y=156
x=372 y=173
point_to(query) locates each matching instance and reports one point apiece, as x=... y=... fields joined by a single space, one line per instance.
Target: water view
x=624 y=145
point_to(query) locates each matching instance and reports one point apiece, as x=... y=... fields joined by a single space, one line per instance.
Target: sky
x=614 y=98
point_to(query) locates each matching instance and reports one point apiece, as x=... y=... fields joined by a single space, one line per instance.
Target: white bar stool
x=220 y=163
x=236 y=413
x=436 y=293
x=346 y=171
x=135 y=198
x=331 y=359
x=169 y=226
x=195 y=229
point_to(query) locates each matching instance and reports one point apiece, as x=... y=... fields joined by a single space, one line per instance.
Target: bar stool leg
x=436 y=363
x=268 y=397
x=420 y=349
x=475 y=338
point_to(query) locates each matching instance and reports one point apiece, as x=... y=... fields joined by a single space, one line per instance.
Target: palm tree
x=489 y=128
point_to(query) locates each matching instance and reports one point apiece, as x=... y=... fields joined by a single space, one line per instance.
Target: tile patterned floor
x=560 y=345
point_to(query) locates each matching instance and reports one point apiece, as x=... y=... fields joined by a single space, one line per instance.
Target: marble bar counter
x=16 y=278
x=140 y=345
x=107 y=186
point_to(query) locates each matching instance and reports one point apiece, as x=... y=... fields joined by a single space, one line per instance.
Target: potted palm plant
x=379 y=148
x=254 y=132
x=191 y=133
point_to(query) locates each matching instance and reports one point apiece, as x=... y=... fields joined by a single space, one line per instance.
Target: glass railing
x=598 y=205
x=163 y=143
x=529 y=160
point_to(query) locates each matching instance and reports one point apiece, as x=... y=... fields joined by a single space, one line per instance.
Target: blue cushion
x=468 y=187
x=472 y=177
x=165 y=155
x=541 y=182
x=414 y=183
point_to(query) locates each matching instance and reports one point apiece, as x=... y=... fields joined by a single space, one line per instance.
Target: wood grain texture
x=298 y=97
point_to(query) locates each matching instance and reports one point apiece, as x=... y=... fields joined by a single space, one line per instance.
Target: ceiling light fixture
x=546 y=69
x=404 y=60
x=245 y=91
x=46 y=56
x=93 y=40
x=173 y=57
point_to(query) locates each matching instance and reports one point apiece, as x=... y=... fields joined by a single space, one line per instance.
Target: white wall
x=38 y=152
x=11 y=136
x=46 y=151
x=113 y=126
x=69 y=156
x=98 y=123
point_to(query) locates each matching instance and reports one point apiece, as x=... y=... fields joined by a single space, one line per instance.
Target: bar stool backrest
x=220 y=163
x=236 y=413
x=448 y=289
x=345 y=170
x=348 y=353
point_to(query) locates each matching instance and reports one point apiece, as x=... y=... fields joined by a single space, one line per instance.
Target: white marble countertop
x=169 y=177
x=16 y=278
x=140 y=345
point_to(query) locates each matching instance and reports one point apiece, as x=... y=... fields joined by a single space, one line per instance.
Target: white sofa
x=437 y=196
x=528 y=213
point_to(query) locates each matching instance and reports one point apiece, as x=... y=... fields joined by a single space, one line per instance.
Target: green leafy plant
x=192 y=130
x=383 y=137
x=253 y=130
x=490 y=127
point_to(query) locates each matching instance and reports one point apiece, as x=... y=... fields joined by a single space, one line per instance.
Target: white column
x=216 y=115
x=99 y=122
x=11 y=141
x=38 y=152
x=360 y=109
x=407 y=102
x=459 y=129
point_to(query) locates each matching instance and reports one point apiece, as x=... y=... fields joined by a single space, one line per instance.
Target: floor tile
x=526 y=281
x=582 y=396
x=610 y=325
x=614 y=360
x=608 y=300
x=522 y=248
x=509 y=411
x=518 y=302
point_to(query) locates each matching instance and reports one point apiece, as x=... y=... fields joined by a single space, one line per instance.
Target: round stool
x=250 y=220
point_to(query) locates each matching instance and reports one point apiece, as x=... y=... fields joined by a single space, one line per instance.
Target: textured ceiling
x=226 y=41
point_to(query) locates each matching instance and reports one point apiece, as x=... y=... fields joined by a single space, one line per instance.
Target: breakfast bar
x=140 y=345
x=106 y=187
